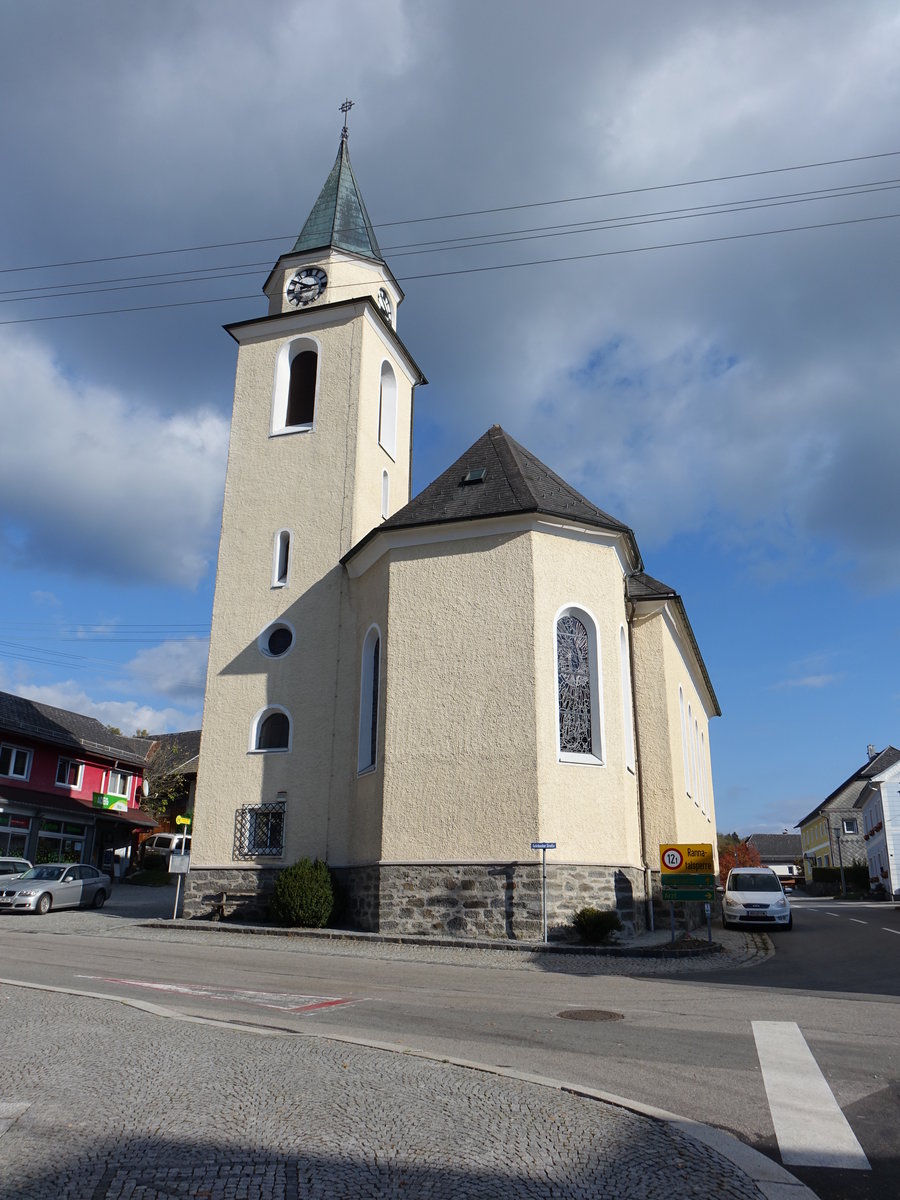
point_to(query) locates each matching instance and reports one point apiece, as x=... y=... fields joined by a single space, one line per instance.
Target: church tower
x=319 y=456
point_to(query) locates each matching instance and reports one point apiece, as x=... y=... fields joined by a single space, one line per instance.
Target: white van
x=753 y=896
x=166 y=844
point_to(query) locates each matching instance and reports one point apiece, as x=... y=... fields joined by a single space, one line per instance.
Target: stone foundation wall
x=489 y=901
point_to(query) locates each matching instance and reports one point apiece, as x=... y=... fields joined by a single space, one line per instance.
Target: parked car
x=13 y=866
x=753 y=896
x=55 y=885
x=166 y=844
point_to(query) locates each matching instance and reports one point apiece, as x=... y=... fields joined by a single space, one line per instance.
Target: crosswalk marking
x=809 y=1125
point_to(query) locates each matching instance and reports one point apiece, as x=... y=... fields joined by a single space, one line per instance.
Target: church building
x=415 y=690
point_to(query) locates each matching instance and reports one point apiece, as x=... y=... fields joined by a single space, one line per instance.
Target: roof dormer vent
x=474 y=475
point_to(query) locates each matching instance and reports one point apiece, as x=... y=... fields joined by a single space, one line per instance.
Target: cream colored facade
x=447 y=628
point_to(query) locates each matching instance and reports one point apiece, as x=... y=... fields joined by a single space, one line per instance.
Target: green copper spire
x=339 y=219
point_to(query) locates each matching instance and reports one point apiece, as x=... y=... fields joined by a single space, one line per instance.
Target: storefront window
x=14 y=834
x=59 y=841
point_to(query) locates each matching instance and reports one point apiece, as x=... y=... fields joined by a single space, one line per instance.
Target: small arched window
x=281 y=559
x=387 y=410
x=385 y=495
x=579 y=708
x=272 y=730
x=296 y=384
x=368 y=700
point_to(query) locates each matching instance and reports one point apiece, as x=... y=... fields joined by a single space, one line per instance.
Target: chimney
x=871 y=751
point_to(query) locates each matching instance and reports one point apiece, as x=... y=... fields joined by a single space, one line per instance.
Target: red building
x=70 y=788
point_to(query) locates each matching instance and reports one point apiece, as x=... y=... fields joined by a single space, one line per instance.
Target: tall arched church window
x=685 y=753
x=387 y=410
x=627 y=702
x=281 y=559
x=579 y=707
x=368 y=700
x=271 y=730
x=296 y=384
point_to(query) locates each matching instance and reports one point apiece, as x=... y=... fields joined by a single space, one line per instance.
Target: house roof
x=849 y=794
x=513 y=481
x=339 y=219
x=43 y=722
x=175 y=753
x=783 y=846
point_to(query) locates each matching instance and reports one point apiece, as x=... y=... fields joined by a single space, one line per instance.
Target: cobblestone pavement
x=106 y=1103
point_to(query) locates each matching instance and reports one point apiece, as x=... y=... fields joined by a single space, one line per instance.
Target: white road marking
x=10 y=1112
x=856 y=921
x=888 y=930
x=809 y=1125
x=284 y=1001
x=831 y=914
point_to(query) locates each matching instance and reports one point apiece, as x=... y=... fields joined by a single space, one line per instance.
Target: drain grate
x=590 y=1014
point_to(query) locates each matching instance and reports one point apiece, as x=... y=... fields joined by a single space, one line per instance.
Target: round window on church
x=276 y=640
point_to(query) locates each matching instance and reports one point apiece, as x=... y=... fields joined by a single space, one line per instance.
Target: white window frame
x=268 y=711
x=282 y=384
x=385 y=495
x=598 y=729
x=283 y=538
x=627 y=700
x=262 y=642
x=79 y=773
x=126 y=794
x=369 y=700
x=387 y=410
x=14 y=750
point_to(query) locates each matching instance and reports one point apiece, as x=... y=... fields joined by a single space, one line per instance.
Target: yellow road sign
x=676 y=858
x=182 y=820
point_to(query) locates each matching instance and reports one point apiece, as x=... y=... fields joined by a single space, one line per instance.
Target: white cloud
x=176 y=669
x=809 y=681
x=92 y=484
x=127 y=715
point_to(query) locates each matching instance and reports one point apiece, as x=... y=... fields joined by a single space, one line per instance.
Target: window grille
x=259 y=831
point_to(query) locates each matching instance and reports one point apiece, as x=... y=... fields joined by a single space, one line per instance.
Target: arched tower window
x=271 y=730
x=296 y=384
x=368 y=700
x=579 y=707
x=387 y=410
x=385 y=495
x=281 y=559
x=685 y=752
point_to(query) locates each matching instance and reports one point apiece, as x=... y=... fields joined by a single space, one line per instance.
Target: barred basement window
x=259 y=831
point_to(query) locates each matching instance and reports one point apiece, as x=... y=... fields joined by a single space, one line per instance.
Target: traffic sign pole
x=543 y=847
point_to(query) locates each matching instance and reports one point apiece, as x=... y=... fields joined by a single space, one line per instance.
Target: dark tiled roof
x=175 y=752
x=849 y=794
x=43 y=722
x=641 y=586
x=785 y=846
x=339 y=218
x=514 y=481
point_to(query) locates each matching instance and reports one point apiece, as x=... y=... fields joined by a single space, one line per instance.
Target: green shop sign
x=113 y=803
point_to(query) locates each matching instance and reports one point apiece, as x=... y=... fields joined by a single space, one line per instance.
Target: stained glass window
x=574 y=682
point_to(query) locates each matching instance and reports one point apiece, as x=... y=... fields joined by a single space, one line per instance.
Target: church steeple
x=339 y=220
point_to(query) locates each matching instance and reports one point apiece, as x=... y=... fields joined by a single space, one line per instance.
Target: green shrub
x=594 y=925
x=304 y=895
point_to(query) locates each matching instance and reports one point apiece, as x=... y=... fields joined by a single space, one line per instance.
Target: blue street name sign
x=543 y=845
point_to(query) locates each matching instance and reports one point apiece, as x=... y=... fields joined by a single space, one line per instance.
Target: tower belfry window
x=301 y=403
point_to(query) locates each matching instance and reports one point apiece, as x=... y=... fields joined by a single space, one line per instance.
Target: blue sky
x=728 y=390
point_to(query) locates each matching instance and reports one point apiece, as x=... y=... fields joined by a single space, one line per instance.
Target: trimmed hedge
x=595 y=925
x=303 y=896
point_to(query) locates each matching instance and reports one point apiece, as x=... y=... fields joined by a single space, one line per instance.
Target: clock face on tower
x=307 y=285
x=384 y=303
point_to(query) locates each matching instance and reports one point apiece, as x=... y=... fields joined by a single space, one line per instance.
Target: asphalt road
x=681 y=1041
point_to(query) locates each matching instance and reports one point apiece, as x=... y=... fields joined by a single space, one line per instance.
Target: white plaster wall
x=459 y=757
x=589 y=810
x=662 y=664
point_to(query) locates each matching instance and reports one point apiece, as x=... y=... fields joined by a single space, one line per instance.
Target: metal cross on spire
x=345 y=109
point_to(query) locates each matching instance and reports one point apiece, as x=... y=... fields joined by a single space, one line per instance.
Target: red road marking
x=283 y=1001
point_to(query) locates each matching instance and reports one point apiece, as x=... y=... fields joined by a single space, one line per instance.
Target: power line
x=732 y=237
x=467 y=213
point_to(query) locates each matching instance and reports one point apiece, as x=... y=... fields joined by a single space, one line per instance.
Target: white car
x=753 y=896
x=166 y=844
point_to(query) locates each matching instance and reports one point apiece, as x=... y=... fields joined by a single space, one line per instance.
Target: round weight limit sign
x=673 y=859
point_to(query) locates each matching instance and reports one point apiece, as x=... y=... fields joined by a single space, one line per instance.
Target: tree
x=165 y=782
x=735 y=854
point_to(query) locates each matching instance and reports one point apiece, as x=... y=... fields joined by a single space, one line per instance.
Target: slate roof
x=784 y=847
x=849 y=794
x=45 y=723
x=177 y=752
x=641 y=586
x=339 y=218
x=514 y=481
